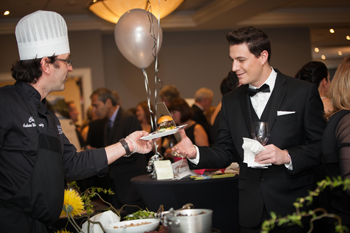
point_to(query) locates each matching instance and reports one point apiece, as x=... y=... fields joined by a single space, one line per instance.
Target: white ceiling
x=318 y=15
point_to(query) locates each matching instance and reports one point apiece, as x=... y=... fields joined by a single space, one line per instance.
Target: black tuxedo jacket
x=300 y=133
x=123 y=169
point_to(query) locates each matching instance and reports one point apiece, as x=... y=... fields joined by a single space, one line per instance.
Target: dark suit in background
x=275 y=188
x=125 y=168
x=95 y=140
x=199 y=117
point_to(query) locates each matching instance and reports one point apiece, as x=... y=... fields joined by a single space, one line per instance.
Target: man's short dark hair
x=229 y=83
x=313 y=72
x=256 y=40
x=104 y=94
x=29 y=70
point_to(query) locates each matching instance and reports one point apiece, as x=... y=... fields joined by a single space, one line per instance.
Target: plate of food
x=133 y=226
x=165 y=127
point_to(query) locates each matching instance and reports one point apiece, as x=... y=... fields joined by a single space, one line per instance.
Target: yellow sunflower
x=63 y=231
x=72 y=203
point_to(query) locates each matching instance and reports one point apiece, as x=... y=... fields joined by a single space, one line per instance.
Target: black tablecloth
x=219 y=195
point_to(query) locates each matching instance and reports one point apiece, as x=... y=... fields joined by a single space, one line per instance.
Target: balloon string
x=155 y=54
x=148 y=93
x=156 y=66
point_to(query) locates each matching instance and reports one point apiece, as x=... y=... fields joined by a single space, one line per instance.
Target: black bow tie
x=263 y=88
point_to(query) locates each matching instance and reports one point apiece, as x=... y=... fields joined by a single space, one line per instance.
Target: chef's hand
x=273 y=155
x=137 y=145
x=185 y=146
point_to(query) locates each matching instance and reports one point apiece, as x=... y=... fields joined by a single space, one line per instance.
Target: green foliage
x=315 y=214
x=141 y=214
x=90 y=193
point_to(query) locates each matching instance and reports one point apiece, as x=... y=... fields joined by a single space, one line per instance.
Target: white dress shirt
x=260 y=99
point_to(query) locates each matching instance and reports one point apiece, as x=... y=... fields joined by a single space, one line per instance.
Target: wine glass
x=260 y=132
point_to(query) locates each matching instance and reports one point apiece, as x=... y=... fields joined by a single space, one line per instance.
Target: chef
x=35 y=155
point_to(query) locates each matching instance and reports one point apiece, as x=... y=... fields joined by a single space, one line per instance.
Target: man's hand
x=273 y=155
x=137 y=145
x=185 y=147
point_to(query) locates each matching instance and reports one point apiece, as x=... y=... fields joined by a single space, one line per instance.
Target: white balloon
x=136 y=35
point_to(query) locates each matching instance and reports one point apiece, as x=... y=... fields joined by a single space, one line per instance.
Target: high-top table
x=219 y=195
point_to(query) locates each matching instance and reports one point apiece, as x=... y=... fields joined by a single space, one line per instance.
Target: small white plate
x=135 y=229
x=162 y=134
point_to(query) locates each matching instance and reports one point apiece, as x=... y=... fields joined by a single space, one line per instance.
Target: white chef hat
x=42 y=34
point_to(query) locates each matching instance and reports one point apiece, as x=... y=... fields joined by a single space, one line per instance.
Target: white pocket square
x=281 y=113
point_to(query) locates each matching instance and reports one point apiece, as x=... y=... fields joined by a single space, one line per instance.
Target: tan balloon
x=136 y=36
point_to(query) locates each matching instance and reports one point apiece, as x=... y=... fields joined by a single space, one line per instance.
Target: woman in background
x=316 y=72
x=143 y=115
x=336 y=141
x=182 y=113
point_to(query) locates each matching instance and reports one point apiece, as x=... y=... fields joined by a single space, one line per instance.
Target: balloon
x=136 y=35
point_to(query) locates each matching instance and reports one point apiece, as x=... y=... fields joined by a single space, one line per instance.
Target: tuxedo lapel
x=276 y=99
x=245 y=106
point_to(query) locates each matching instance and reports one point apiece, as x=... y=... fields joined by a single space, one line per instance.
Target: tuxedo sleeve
x=223 y=153
x=309 y=154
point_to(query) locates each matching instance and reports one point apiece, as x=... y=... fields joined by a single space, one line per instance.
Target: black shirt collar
x=29 y=90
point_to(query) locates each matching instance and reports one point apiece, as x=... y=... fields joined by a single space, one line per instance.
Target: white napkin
x=104 y=218
x=251 y=148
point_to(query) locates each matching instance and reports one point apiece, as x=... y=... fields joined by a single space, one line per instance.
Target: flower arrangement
x=72 y=206
x=75 y=202
x=63 y=231
x=296 y=217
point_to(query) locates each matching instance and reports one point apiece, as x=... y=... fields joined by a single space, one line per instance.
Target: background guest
x=168 y=93
x=73 y=114
x=181 y=114
x=203 y=99
x=106 y=104
x=90 y=116
x=143 y=116
x=316 y=72
x=336 y=141
x=228 y=84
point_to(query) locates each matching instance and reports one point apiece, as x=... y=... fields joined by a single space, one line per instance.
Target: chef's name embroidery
x=59 y=128
x=32 y=123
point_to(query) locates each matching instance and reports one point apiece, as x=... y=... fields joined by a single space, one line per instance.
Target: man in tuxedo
x=119 y=124
x=203 y=99
x=293 y=110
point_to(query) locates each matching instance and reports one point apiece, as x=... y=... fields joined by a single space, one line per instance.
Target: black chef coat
x=19 y=141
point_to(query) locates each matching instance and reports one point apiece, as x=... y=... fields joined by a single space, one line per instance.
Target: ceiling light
x=340 y=53
x=112 y=10
x=6 y=12
x=323 y=57
x=348 y=37
x=317 y=50
x=331 y=30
